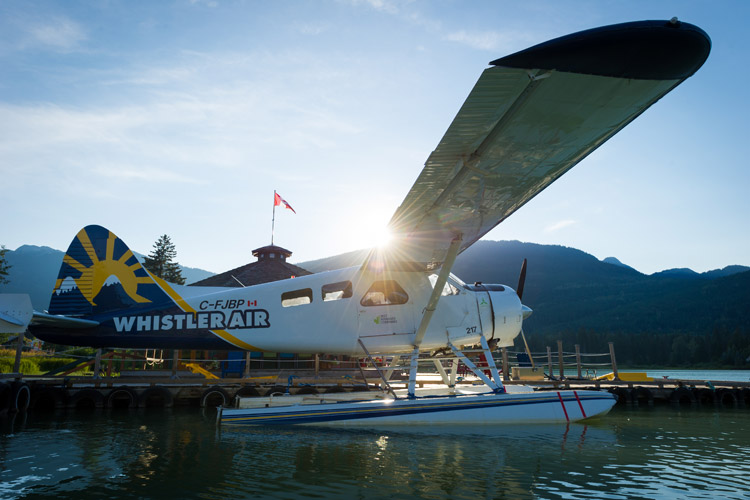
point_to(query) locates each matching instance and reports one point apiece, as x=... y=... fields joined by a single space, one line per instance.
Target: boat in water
x=472 y=405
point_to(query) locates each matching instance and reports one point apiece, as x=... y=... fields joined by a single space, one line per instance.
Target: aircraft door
x=484 y=307
x=386 y=317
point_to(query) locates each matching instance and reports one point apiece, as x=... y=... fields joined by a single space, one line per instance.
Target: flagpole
x=273 y=217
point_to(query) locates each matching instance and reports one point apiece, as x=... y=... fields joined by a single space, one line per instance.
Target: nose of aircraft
x=526 y=310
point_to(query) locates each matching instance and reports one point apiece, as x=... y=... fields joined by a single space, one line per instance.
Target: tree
x=160 y=261
x=4 y=266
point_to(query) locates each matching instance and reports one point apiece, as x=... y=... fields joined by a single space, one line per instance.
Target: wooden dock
x=157 y=390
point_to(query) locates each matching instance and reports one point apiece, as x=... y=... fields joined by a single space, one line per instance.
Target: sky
x=182 y=117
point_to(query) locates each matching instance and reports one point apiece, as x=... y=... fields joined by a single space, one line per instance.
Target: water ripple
x=656 y=453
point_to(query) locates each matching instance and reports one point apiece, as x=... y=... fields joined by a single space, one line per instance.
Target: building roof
x=270 y=266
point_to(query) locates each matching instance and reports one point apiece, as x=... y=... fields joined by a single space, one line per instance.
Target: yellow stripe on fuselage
x=182 y=304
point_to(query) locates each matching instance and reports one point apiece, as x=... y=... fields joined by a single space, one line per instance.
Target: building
x=271 y=265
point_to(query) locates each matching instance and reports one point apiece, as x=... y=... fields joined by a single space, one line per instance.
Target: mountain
x=349 y=259
x=727 y=271
x=615 y=262
x=679 y=272
x=569 y=290
x=34 y=271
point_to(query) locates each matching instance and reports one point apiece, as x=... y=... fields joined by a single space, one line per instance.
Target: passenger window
x=385 y=293
x=296 y=298
x=337 y=291
x=448 y=289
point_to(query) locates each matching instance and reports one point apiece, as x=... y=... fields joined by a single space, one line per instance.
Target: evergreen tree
x=160 y=261
x=4 y=266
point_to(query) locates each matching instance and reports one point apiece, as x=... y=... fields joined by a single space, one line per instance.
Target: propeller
x=526 y=310
x=521 y=280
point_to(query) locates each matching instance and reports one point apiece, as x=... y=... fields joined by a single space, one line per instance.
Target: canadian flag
x=278 y=200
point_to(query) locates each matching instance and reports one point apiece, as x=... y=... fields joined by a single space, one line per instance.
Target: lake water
x=180 y=453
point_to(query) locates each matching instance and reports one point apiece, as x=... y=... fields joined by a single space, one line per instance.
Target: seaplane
x=530 y=118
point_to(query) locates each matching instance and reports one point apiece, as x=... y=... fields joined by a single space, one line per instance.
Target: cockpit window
x=448 y=289
x=385 y=293
x=337 y=291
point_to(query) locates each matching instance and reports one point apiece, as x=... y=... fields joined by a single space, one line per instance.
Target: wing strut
x=445 y=270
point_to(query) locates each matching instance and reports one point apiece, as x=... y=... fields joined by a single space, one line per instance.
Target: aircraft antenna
x=238 y=281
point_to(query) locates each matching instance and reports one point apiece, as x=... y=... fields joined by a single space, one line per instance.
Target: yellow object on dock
x=526 y=373
x=196 y=368
x=627 y=377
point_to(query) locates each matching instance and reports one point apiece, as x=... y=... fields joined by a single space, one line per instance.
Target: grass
x=35 y=362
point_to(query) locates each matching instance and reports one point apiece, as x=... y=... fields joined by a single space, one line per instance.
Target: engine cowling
x=500 y=312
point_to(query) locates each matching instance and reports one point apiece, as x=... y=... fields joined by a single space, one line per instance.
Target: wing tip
x=645 y=50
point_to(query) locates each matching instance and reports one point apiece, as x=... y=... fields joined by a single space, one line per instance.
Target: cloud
x=386 y=6
x=491 y=40
x=208 y=3
x=133 y=173
x=59 y=33
x=312 y=29
x=202 y=119
x=560 y=225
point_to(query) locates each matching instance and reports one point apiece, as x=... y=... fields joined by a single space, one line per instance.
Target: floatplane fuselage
x=328 y=312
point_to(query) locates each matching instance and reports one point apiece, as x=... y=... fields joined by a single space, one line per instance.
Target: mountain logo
x=97 y=257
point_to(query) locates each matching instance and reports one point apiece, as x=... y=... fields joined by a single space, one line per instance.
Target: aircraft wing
x=530 y=118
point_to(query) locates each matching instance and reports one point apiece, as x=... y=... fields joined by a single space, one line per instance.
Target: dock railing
x=561 y=364
x=555 y=365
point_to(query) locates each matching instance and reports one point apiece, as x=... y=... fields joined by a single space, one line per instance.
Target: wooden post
x=506 y=368
x=578 y=360
x=175 y=362
x=247 y=365
x=97 y=363
x=317 y=364
x=549 y=361
x=560 y=360
x=614 y=361
x=109 y=364
x=19 y=350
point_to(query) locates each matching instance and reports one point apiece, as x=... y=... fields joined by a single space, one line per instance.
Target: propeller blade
x=521 y=280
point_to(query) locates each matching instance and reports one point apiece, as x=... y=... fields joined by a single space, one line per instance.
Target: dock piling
x=614 y=361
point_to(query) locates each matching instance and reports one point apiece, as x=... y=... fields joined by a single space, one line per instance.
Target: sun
x=382 y=238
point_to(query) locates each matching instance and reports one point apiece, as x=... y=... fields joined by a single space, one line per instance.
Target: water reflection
x=181 y=453
x=430 y=462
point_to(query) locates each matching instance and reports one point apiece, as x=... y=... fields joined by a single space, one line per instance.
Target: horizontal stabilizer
x=15 y=312
x=57 y=321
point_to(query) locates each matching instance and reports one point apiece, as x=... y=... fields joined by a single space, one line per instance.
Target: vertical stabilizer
x=100 y=274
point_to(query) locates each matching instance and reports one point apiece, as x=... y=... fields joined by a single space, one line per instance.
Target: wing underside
x=529 y=119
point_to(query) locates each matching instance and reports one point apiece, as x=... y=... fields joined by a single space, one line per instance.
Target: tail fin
x=100 y=274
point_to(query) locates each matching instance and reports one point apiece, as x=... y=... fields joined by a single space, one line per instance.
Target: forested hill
x=570 y=290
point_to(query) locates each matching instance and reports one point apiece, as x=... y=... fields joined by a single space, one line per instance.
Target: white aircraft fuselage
x=328 y=312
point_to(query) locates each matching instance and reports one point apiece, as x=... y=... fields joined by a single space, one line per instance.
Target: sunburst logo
x=95 y=263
